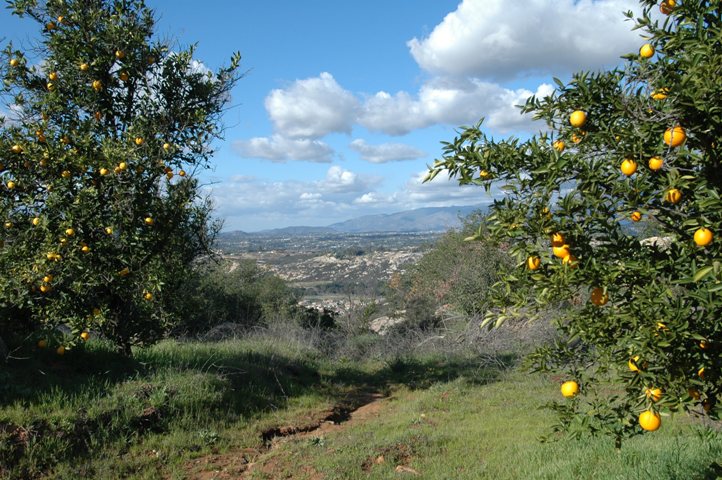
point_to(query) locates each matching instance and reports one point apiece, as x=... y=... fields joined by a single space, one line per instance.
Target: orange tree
x=100 y=208
x=631 y=147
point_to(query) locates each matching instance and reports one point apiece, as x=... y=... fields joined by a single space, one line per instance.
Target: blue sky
x=344 y=103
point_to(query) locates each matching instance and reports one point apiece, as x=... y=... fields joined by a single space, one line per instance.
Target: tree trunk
x=3 y=350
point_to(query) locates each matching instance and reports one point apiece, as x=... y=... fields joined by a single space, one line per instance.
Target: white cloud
x=449 y=101
x=312 y=108
x=277 y=148
x=500 y=39
x=386 y=152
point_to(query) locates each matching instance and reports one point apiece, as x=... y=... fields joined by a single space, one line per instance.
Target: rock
x=381 y=325
x=405 y=469
x=662 y=243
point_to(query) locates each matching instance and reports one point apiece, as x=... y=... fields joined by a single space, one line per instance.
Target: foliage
x=454 y=273
x=651 y=309
x=237 y=292
x=99 y=199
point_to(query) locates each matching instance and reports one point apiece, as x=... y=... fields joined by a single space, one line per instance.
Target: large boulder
x=381 y=325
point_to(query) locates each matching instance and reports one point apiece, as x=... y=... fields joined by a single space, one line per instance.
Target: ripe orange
x=119 y=54
x=85 y=336
x=69 y=232
x=674 y=137
x=577 y=138
x=636 y=216
x=533 y=263
x=149 y=221
x=653 y=394
x=660 y=94
x=598 y=297
x=124 y=272
x=632 y=363
x=559 y=146
x=571 y=261
x=647 y=51
x=66 y=174
x=562 y=251
x=103 y=171
x=60 y=350
x=138 y=141
x=628 y=167
x=48 y=278
x=673 y=195
x=108 y=230
x=53 y=76
x=166 y=146
x=16 y=149
x=703 y=237
x=557 y=239
x=42 y=343
x=655 y=163
x=148 y=296
x=84 y=67
x=570 y=389
x=50 y=86
x=122 y=166
x=578 y=118
x=124 y=76
x=701 y=373
x=85 y=249
x=50 y=25
x=97 y=85
x=482 y=174
x=169 y=175
x=704 y=344
x=8 y=224
x=649 y=420
x=667 y=6
x=45 y=288
x=182 y=173
x=14 y=62
x=10 y=185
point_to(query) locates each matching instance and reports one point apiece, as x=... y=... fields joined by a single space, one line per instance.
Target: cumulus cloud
x=386 y=152
x=277 y=148
x=498 y=39
x=312 y=108
x=449 y=101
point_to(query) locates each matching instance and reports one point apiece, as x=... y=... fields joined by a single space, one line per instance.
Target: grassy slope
x=93 y=415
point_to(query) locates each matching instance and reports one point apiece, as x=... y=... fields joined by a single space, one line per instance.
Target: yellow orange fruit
x=182 y=173
x=667 y=6
x=647 y=51
x=599 y=297
x=704 y=344
x=632 y=363
x=148 y=296
x=578 y=119
x=673 y=195
x=84 y=67
x=628 y=167
x=122 y=166
x=119 y=54
x=124 y=76
x=69 y=232
x=571 y=261
x=660 y=94
x=653 y=394
x=48 y=278
x=124 y=272
x=636 y=216
x=85 y=336
x=108 y=230
x=533 y=263
x=85 y=249
x=42 y=343
x=570 y=389
x=559 y=146
x=649 y=420
x=149 y=221
x=483 y=174
x=60 y=350
x=53 y=76
x=655 y=163
x=14 y=62
x=561 y=251
x=138 y=141
x=66 y=174
x=166 y=146
x=103 y=171
x=97 y=85
x=674 y=137
x=16 y=149
x=557 y=239
x=703 y=237
x=11 y=185
x=701 y=373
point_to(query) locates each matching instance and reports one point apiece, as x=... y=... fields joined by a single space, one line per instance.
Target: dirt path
x=243 y=463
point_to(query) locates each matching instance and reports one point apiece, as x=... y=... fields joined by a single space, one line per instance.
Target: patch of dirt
x=241 y=464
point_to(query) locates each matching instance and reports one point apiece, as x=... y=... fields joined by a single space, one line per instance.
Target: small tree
x=635 y=144
x=99 y=202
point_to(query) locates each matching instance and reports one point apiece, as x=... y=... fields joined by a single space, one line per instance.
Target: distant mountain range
x=431 y=219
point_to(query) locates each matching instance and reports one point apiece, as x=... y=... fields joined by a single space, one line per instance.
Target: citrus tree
x=627 y=152
x=105 y=130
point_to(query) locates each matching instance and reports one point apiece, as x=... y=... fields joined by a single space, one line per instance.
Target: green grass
x=93 y=414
